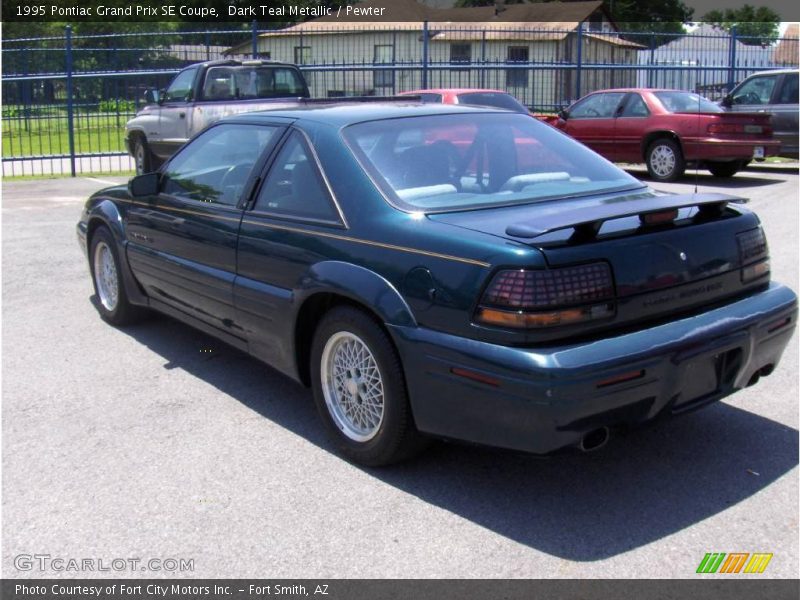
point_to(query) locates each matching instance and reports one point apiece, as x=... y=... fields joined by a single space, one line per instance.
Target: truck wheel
x=359 y=389
x=143 y=158
x=665 y=160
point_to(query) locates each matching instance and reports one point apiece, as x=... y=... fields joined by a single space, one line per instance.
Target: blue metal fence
x=66 y=98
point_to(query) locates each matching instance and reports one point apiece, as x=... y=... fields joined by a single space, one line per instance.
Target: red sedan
x=477 y=97
x=667 y=129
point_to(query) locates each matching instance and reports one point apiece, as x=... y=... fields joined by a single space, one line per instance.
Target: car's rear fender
x=334 y=282
x=360 y=285
x=652 y=136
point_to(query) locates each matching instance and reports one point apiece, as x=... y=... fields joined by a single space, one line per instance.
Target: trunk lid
x=740 y=124
x=656 y=269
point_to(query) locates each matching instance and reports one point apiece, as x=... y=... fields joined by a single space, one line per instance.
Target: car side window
x=596 y=106
x=635 y=107
x=294 y=186
x=788 y=94
x=430 y=98
x=757 y=90
x=215 y=166
x=181 y=87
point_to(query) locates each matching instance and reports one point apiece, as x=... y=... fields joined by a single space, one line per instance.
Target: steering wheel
x=749 y=98
x=592 y=112
x=234 y=179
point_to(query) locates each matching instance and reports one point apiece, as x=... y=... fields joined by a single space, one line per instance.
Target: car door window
x=757 y=90
x=215 y=166
x=596 y=106
x=180 y=90
x=788 y=93
x=295 y=187
x=635 y=107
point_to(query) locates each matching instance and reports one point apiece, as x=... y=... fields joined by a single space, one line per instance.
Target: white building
x=527 y=49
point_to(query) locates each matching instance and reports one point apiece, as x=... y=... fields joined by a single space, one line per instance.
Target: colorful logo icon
x=734 y=562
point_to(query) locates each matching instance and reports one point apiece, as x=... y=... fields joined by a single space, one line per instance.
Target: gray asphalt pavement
x=157 y=442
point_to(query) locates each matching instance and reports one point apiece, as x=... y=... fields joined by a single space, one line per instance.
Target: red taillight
x=753 y=254
x=725 y=128
x=544 y=298
x=739 y=128
x=659 y=218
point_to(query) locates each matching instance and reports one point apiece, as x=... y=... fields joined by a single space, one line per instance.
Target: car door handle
x=182 y=115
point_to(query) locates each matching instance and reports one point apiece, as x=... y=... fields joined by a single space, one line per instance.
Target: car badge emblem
x=682 y=256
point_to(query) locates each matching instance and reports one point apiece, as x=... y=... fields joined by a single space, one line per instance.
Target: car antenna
x=697 y=163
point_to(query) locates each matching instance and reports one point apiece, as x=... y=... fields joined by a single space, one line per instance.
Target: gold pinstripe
x=468 y=261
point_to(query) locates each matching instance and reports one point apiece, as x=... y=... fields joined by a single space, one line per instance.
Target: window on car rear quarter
x=294 y=186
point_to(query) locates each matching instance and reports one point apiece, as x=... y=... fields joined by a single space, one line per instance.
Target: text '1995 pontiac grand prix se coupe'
x=444 y=271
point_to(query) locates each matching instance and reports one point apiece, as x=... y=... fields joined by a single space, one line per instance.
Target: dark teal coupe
x=444 y=271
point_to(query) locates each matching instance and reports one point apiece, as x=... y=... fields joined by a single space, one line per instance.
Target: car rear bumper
x=540 y=400
x=722 y=149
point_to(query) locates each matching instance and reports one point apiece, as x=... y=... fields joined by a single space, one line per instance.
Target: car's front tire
x=359 y=389
x=112 y=301
x=664 y=160
x=143 y=158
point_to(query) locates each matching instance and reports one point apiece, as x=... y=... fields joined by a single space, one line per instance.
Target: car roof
x=231 y=62
x=454 y=91
x=772 y=72
x=632 y=89
x=343 y=113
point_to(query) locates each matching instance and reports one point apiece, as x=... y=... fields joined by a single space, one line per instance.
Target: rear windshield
x=687 y=102
x=456 y=162
x=241 y=83
x=505 y=101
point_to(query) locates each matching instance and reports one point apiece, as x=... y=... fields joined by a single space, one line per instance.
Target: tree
x=634 y=17
x=754 y=26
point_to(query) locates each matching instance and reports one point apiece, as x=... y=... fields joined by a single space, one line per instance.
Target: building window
x=460 y=54
x=517 y=77
x=302 y=55
x=596 y=21
x=383 y=56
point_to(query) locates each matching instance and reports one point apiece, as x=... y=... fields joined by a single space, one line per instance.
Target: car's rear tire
x=725 y=169
x=112 y=300
x=664 y=160
x=360 y=391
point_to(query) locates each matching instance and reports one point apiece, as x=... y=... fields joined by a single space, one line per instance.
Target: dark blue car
x=444 y=272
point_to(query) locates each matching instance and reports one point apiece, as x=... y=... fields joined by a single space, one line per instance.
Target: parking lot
x=156 y=441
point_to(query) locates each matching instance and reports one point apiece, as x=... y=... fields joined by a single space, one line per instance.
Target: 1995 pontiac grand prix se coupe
x=444 y=271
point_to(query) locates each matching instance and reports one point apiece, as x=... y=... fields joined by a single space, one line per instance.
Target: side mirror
x=162 y=96
x=151 y=96
x=563 y=114
x=143 y=185
x=727 y=101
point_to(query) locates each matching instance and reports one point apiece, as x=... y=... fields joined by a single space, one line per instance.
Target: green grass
x=99 y=174
x=47 y=134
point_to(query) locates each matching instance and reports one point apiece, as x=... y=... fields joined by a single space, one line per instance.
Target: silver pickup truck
x=202 y=94
x=773 y=92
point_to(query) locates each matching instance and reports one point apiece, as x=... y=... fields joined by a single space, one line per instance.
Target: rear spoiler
x=587 y=220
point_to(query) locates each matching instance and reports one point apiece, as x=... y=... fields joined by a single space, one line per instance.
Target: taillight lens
x=753 y=254
x=738 y=128
x=524 y=298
